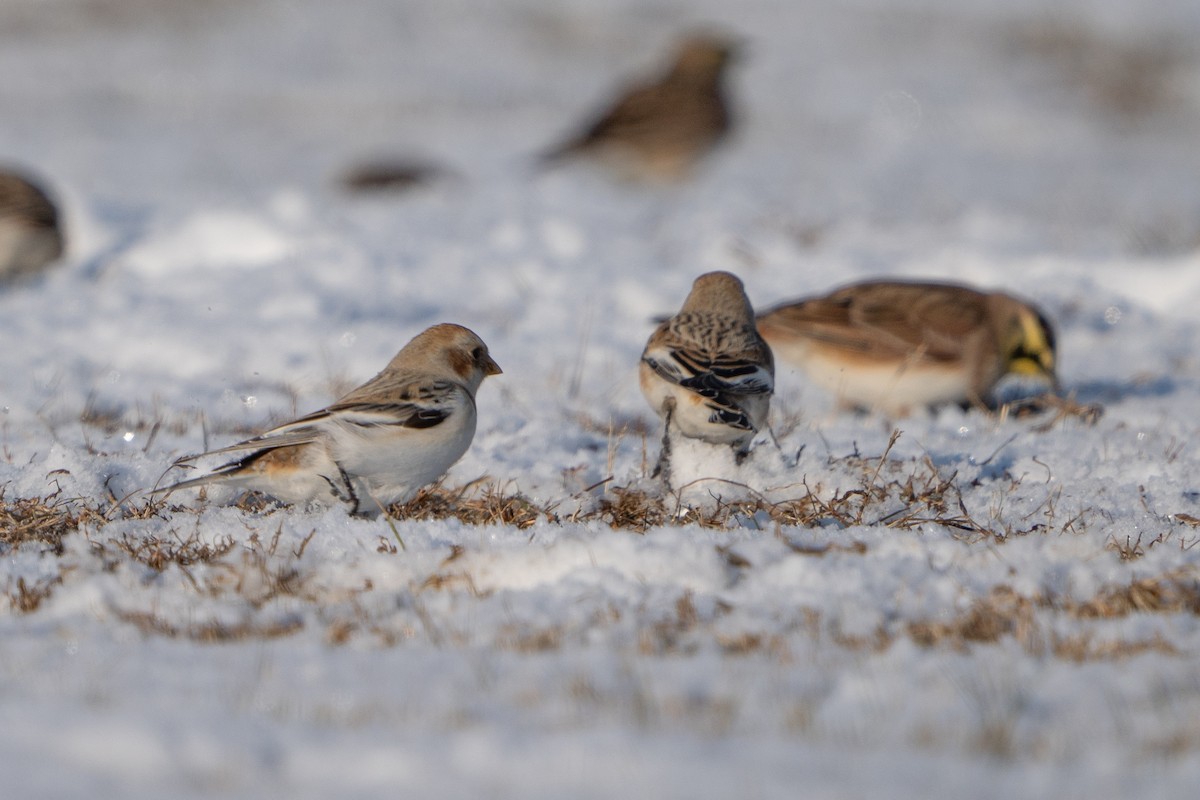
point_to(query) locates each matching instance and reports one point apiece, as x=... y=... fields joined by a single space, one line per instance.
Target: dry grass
x=530 y=640
x=1004 y=613
x=627 y=508
x=1166 y=594
x=896 y=494
x=37 y=520
x=477 y=503
x=158 y=553
x=888 y=492
x=884 y=491
x=1083 y=647
x=212 y=631
x=450 y=577
x=1001 y=613
x=25 y=599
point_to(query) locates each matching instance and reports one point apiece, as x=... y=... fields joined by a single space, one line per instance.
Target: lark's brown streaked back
x=660 y=130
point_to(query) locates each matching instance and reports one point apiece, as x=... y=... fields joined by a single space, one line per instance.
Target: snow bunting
x=892 y=346
x=380 y=443
x=30 y=237
x=706 y=370
x=659 y=131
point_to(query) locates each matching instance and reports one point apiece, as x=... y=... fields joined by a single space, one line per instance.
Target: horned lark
x=893 y=346
x=659 y=131
x=30 y=237
x=706 y=371
x=380 y=443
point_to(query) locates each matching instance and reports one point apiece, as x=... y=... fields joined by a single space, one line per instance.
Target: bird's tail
x=223 y=474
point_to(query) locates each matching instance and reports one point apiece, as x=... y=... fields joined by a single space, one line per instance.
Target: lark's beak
x=490 y=367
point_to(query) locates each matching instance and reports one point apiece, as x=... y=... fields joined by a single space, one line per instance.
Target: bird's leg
x=343 y=489
x=779 y=448
x=663 y=468
x=739 y=455
x=382 y=509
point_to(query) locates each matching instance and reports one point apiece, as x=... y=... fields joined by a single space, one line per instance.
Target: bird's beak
x=490 y=367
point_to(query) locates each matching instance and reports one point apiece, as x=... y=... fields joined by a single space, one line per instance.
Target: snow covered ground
x=999 y=607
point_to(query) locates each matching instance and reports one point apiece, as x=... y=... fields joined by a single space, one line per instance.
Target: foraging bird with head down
x=895 y=346
x=380 y=443
x=660 y=130
x=30 y=236
x=706 y=371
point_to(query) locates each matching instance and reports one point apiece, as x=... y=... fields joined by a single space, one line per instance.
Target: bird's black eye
x=477 y=354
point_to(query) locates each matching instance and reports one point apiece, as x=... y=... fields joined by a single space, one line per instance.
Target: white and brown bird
x=380 y=443
x=30 y=237
x=893 y=346
x=660 y=130
x=706 y=371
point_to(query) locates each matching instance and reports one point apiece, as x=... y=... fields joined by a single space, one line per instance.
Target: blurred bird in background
x=658 y=131
x=30 y=237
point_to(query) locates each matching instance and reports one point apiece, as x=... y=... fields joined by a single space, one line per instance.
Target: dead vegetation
x=883 y=492
x=37 y=520
x=158 y=553
x=1001 y=614
x=1004 y=613
x=477 y=503
x=903 y=495
x=25 y=599
x=1172 y=593
x=212 y=631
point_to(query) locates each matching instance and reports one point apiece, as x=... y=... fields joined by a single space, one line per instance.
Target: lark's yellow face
x=1029 y=346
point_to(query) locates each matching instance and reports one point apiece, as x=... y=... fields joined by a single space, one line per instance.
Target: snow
x=218 y=281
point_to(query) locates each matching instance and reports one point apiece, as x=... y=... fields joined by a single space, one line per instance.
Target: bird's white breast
x=392 y=463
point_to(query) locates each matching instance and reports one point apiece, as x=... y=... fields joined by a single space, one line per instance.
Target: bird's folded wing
x=403 y=400
x=706 y=376
x=883 y=322
x=631 y=115
x=725 y=411
x=302 y=431
x=364 y=415
x=403 y=415
x=935 y=320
